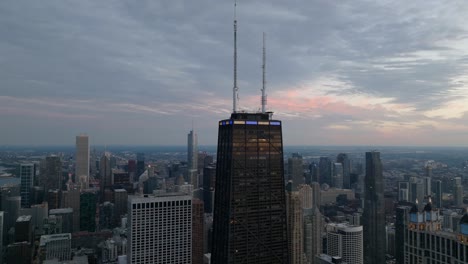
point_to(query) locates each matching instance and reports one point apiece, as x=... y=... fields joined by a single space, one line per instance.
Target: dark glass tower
x=374 y=211
x=249 y=223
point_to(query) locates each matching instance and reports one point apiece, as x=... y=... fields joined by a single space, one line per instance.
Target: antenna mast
x=235 y=89
x=264 y=96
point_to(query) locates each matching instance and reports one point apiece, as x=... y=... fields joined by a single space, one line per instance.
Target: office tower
x=337 y=178
x=8 y=191
x=306 y=195
x=416 y=190
x=402 y=214
x=23 y=229
x=346 y=241
x=250 y=206
x=107 y=216
x=105 y=173
x=312 y=233
x=12 y=208
x=316 y=194
x=57 y=246
x=50 y=177
x=71 y=199
x=37 y=195
x=53 y=199
x=140 y=166
x=82 y=161
x=27 y=175
x=346 y=164
x=427 y=186
x=160 y=229
x=428 y=170
x=197 y=231
x=88 y=202
x=325 y=170
x=295 y=224
x=458 y=195
x=209 y=181
x=120 y=201
x=66 y=218
x=314 y=173
x=296 y=172
x=132 y=169
x=403 y=191
x=150 y=185
x=192 y=159
x=19 y=253
x=374 y=211
x=438 y=193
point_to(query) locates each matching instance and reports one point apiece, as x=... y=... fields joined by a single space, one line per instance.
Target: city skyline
x=359 y=73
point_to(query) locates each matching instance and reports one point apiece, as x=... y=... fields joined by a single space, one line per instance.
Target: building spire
x=235 y=89
x=264 y=96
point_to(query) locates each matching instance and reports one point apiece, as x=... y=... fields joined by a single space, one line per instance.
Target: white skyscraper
x=192 y=158
x=160 y=229
x=82 y=161
x=27 y=173
x=346 y=241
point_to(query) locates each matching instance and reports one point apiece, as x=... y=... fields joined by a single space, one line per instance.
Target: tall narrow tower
x=82 y=161
x=249 y=223
x=192 y=158
x=374 y=211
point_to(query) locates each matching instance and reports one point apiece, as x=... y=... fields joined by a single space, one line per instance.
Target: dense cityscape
x=251 y=198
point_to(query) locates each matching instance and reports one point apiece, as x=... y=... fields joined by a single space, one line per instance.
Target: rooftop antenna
x=235 y=89
x=264 y=96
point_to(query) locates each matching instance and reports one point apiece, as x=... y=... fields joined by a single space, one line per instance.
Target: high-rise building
x=401 y=220
x=295 y=170
x=346 y=241
x=295 y=224
x=88 y=202
x=312 y=233
x=66 y=217
x=50 y=177
x=306 y=195
x=140 y=166
x=197 y=231
x=120 y=201
x=374 y=211
x=192 y=159
x=27 y=175
x=249 y=223
x=53 y=198
x=2 y=219
x=12 y=208
x=337 y=178
x=160 y=229
x=325 y=171
x=19 y=253
x=105 y=172
x=71 y=199
x=56 y=246
x=403 y=191
x=132 y=169
x=458 y=195
x=346 y=163
x=24 y=229
x=437 y=185
x=427 y=186
x=316 y=194
x=82 y=161
x=209 y=180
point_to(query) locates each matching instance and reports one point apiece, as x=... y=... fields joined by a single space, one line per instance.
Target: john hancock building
x=250 y=209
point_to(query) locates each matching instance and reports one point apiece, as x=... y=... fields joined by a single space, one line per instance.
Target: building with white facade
x=57 y=246
x=346 y=241
x=160 y=229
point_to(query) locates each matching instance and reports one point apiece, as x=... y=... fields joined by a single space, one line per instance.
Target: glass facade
x=250 y=207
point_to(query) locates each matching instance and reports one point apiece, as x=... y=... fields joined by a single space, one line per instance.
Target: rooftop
x=49 y=238
x=24 y=218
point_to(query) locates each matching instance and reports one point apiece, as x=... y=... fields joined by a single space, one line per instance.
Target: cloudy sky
x=359 y=72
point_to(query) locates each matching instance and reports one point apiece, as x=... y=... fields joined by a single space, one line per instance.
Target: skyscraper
x=374 y=211
x=50 y=177
x=105 y=173
x=296 y=173
x=160 y=229
x=250 y=207
x=192 y=159
x=140 y=166
x=346 y=241
x=27 y=174
x=295 y=224
x=312 y=233
x=197 y=231
x=438 y=193
x=325 y=170
x=337 y=178
x=344 y=160
x=82 y=161
x=71 y=199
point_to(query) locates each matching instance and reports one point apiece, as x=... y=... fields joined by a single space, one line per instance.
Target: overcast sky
x=359 y=72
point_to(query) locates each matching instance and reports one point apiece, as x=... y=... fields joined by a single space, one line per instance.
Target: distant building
x=296 y=172
x=346 y=164
x=346 y=241
x=163 y=224
x=82 y=161
x=120 y=202
x=51 y=177
x=192 y=159
x=197 y=231
x=71 y=199
x=325 y=171
x=19 y=253
x=140 y=166
x=337 y=178
x=88 y=200
x=295 y=225
x=27 y=175
x=66 y=216
x=437 y=185
x=24 y=229
x=105 y=172
x=312 y=233
x=209 y=181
